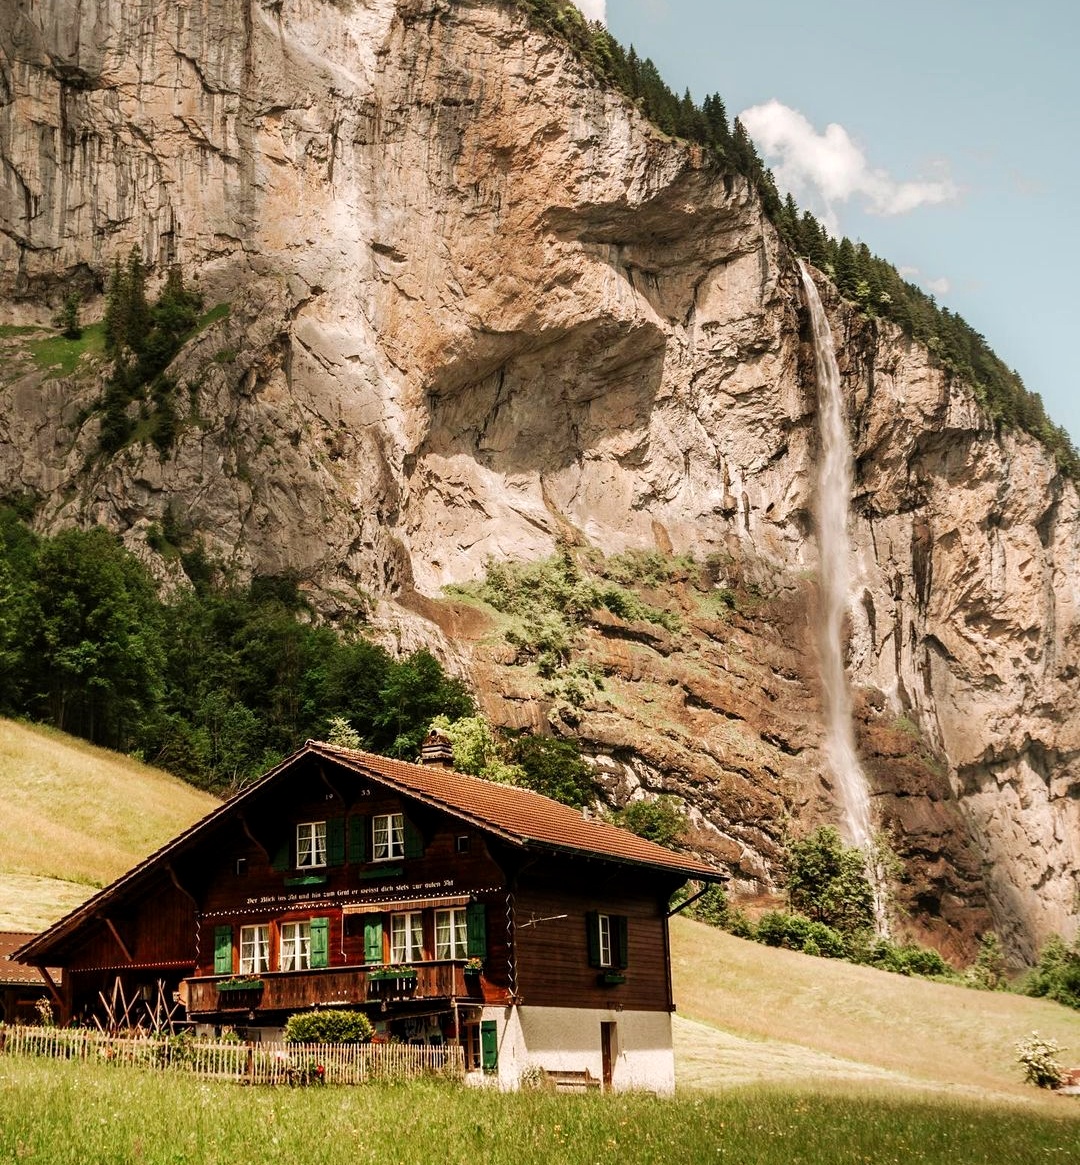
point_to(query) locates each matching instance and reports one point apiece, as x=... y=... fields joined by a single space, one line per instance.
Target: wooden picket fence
x=262 y=1063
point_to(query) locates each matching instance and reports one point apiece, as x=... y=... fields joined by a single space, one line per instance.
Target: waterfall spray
x=834 y=482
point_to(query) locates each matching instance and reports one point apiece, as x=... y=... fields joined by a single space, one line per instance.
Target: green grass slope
x=754 y=1014
x=74 y=817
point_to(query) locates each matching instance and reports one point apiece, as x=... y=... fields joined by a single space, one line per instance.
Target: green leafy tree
x=710 y=905
x=477 y=750
x=1057 y=974
x=828 y=882
x=553 y=767
x=19 y=612
x=98 y=643
x=414 y=692
x=341 y=734
x=659 y=819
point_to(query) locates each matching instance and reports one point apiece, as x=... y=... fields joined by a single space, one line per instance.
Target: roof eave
x=701 y=873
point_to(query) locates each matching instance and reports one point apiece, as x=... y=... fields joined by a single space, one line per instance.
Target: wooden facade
x=419 y=897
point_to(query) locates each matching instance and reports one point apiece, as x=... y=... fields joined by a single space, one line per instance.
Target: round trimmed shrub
x=328 y=1027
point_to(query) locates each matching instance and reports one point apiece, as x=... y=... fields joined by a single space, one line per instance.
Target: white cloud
x=941 y=286
x=831 y=165
x=593 y=10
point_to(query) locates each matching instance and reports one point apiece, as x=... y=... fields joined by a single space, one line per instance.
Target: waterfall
x=834 y=481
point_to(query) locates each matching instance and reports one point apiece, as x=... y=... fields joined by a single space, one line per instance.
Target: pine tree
x=67 y=318
x=847 y=275
x=116 y=307
x=138 y=310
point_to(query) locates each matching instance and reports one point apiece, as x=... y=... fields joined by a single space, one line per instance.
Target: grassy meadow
x=72 y=1114
x=74 y=817
x=834 y=1020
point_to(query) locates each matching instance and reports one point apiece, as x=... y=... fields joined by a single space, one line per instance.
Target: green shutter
x=282 y=860
x=592 y=931
x=335 y=841
x=414 y=842
x=222 y=950
x=359 y=837
x=621 y=940
x=320 y=942
x=489 y=1045
x=373 y=940
x=476 y=925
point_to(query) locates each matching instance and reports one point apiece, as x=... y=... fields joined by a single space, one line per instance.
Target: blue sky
x=954 y=152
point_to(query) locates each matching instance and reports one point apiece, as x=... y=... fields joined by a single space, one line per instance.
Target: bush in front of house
x=328 y=1027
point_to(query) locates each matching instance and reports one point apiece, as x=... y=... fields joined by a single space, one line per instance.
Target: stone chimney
x=437 y=750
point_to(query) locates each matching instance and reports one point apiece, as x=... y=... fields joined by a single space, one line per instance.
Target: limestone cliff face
x=478 y=306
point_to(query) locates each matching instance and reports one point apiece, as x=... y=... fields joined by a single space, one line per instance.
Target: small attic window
x=241 y=867
x=462 y=843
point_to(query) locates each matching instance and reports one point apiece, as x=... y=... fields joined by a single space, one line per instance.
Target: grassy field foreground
x=74 y=817
x=74 y=1114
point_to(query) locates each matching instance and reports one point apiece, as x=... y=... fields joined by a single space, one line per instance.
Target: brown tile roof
x=519 y=815
x=16 y=974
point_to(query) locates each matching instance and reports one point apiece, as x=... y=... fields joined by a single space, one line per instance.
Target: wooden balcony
x=334 y=986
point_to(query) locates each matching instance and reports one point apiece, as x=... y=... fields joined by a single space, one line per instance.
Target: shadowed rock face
x=478 y=306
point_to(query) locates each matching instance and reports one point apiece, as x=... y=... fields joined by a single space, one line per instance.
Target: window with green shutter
x=320 y=942
x=359 y=833
x=489 y=1045
x=414 y=841
x=335 y=841
x=607 y=938
x=223 y=950
x=282 y=859
x=476 y=923
x=373 y=941
x=621 y=940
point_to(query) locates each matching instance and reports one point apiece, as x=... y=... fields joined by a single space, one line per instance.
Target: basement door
x=607 y=1053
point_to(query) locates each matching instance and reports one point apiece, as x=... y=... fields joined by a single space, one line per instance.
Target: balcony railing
x=296 y=990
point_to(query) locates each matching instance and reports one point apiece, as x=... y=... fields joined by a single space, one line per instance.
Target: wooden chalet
x=447 y=907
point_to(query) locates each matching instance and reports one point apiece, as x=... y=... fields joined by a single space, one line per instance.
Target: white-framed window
x=451 y=934
x=254 y=950
x=604 y=937
x=310 y=845
x=387 y=837
x=406 y=937
x=295 y=946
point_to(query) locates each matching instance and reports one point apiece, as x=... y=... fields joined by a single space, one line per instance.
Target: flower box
x=380 y=974
x=232 y=986
x=612 y=979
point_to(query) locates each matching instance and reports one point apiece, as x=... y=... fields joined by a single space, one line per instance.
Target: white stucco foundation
x=568 y=1039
